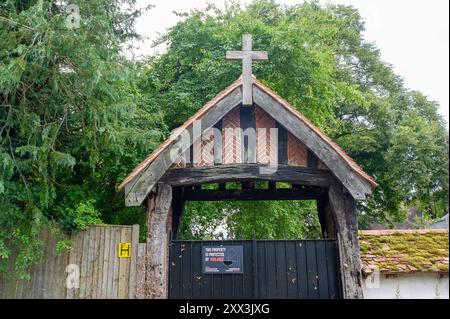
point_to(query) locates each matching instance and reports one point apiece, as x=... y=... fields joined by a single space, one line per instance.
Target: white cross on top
x=247 y=56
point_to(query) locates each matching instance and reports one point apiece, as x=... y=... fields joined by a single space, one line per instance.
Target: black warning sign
x=222 y=260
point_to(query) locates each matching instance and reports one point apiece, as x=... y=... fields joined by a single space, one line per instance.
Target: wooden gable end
x=283 y=137
x=270 y=144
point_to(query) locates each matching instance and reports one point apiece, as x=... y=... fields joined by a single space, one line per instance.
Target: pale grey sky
x=413 y=36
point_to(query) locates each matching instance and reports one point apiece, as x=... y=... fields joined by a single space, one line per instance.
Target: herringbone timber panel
x=231 y=138
x=181 y=162
x=266 y=144
x=207 y=148
x=297 y=151
x=197 y=152
x=204 y=150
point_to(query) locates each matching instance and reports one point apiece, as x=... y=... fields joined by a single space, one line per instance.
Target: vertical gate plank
x=302 y=270
x=271 y=270
x=291 y=264
x=197 y=271
x=133 y=262
x=261 y=271
x=49 y=266
x=176 y=262
x=333 y=267
x=280 y=270
x=117 y=239
x=112 y=258
x=124 y=266
x=186 y=274
x=322 y=271
x=311 y=264
x=79 y=262
x=101 y=260
x=37 y=289
x=70 y=292
x=106 y=261
x=88 y=237
x=94 y=263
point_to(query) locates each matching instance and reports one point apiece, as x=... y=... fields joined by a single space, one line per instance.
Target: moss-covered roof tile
x=397 y=251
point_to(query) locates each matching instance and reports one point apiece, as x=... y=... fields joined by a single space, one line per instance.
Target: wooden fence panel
x=93 y=260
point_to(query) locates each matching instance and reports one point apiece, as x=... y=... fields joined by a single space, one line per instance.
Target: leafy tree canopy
x=73 y=121
x=321 y=64
x=76 y=115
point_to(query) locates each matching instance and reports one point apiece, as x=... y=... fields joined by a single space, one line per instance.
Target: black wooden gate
x=288 y=269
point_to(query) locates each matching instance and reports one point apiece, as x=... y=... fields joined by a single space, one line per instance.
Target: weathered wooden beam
x=248 y=138
x=178 y=204
x=247 y=172
x=248 y=185
x=343 y=206
x=355 y=184
x=322 y=218
x=138 y=189
x=157 y=239
x=217 y=148
x=282 y=145
x=256 y=194
x=312 y=160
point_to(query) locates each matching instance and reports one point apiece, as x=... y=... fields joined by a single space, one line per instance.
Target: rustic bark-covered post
x=157 y=245
x=344 y=209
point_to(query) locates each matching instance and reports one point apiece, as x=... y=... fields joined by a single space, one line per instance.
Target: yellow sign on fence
x=124 y=250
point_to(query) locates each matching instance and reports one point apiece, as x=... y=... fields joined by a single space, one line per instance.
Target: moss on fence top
x=399 y=251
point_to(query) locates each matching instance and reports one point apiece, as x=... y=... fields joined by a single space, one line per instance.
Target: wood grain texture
x=355 y=184
x=93 y=252
x=157 y=250
x=137 y=191
x=344 y=211
x=247 y=172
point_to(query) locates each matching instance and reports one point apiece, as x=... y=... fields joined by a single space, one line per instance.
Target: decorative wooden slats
x=265 y=140
x=204 y=150
x=92 y=261
x=232 y=147
x=297 y=152
x=266 y=143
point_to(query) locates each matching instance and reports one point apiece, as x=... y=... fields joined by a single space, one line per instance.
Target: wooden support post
x=322 y=219
x=326 y=218
x=157 y=242
x=344 y=209
x=178 y=204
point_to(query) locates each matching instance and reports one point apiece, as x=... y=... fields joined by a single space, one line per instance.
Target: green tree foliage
x=73 y=120
x=321 y=64
x=76 y=115
x=259 y=219
x=251 y=219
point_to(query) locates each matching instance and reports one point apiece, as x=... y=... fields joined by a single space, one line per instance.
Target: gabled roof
x=175 y=133
x=322 y=135
x=136 y=174
x=404 y=251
